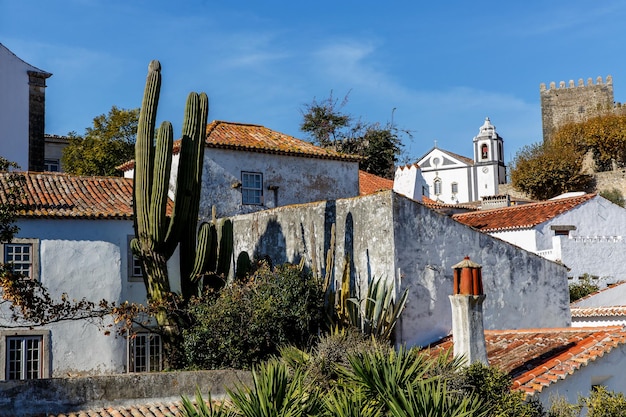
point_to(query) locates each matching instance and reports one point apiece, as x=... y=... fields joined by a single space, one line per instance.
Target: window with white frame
x=24 y=354
x=437 y=186
x=455 y=188
x=22 y=255
x=145 y=353
x=252 y=188
x=135 y=269
x=52 y=165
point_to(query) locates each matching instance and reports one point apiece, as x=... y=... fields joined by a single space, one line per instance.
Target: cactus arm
x=225 y=249
x=204 y=249
x=144 y=150
x=160 y=182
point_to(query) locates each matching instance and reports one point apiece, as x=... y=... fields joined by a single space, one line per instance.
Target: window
x=145 y=353
x=484 y=151
x=24 y=354
x=52 y=165
x=455 y=188
x=135 y=271
x=252 y=188
x=23 y=256
x=437 y=186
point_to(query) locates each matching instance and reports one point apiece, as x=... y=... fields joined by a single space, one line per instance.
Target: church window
x=437 y=186
x=455 y=188
x=484 y=150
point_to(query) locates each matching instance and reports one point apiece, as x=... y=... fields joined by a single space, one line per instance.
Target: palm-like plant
x=203 y=408
x=276 y=393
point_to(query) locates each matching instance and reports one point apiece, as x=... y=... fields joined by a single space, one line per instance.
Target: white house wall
x=85 y=259
x=600 y=257
x=596 y=217
x=14 y=108
x=607 y=370
x=392 y=237
x=295 y=180
x=524 y=238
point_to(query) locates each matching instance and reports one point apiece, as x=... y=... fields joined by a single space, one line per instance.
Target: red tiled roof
x=63 y=195
x=522 y=216
x=429 y=202
x=257 y=138
x=149 y=410
x=612 y=311
x=536 y=358
x=370 y=183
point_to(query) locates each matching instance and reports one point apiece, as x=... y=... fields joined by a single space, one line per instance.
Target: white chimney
x=468 y=332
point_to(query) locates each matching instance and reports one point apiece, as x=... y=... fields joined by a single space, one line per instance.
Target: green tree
x=545 y=170
x=379 y=145
x=103 y=147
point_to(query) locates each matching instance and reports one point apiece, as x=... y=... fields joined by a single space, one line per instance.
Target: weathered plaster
x=391 y=236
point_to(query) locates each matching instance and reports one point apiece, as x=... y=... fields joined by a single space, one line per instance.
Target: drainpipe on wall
x=468 y=331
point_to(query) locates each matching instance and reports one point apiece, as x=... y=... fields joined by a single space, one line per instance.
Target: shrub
x=246 y=322
x=583 y=288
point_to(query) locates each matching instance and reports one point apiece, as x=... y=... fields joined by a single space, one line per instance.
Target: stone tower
x=574 y=103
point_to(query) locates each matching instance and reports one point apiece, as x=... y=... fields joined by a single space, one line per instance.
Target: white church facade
x=451 y=178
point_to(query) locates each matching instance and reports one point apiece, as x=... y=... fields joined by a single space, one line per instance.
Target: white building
x=74 y=238
x=22 y=111
x=250 y=167
x=587 y=233
x=452 y=178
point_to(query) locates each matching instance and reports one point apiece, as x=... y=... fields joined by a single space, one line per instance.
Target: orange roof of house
x=536 y=358
x=591 y=312
x=370 y=183
x=257 y=138
x=63 y=195
x=520 y=216
x=147 y=410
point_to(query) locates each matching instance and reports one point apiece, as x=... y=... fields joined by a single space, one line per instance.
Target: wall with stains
x=390 y=236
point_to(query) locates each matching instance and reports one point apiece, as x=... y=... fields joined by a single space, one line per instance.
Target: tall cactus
x=156 y=235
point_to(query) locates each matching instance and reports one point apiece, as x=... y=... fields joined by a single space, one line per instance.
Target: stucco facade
x=391 y=236
x=83 y=259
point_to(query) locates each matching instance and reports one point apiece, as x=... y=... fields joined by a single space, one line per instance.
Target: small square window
x=252 y=188
x=20 y=257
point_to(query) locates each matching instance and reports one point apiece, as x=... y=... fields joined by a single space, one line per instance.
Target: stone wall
x=386 y=235
x=573 y=103
x=38 y=397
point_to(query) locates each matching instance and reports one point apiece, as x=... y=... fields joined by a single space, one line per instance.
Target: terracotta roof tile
x=63 y=195
x=370 y=183
x=523 y=216
x=257 y=138
x=144 y=410
x=611 y=311
x=536 y=358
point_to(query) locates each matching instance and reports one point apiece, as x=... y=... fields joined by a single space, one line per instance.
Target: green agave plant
x=203 y=408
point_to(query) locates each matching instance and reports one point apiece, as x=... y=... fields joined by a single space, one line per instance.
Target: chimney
x=468 y=332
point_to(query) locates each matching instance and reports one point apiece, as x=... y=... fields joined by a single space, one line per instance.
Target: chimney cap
x=466 y=263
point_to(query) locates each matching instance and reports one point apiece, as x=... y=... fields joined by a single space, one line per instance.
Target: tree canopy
x=545 y=170
x=329 y=127
x=603 y=136
x=103 y=147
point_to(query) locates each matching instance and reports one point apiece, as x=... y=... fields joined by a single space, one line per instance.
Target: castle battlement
x=609 y=81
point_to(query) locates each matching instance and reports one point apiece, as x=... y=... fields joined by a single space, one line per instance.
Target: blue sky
x=444 y=66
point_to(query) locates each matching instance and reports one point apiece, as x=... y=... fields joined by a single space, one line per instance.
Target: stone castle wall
x=575 y=103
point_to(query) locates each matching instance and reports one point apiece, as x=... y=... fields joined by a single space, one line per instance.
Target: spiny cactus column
x=157 y=235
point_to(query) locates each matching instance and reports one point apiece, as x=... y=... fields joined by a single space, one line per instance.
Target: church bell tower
x=489 y=168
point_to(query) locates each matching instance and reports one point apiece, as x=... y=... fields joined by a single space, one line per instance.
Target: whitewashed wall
x=607 y=370
x=524 y=238
x=296 y=179
x=85 y=258
x=391 y=236
x=14 y=108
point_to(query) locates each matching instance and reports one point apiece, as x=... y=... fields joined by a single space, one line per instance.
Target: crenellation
x=573 y=102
